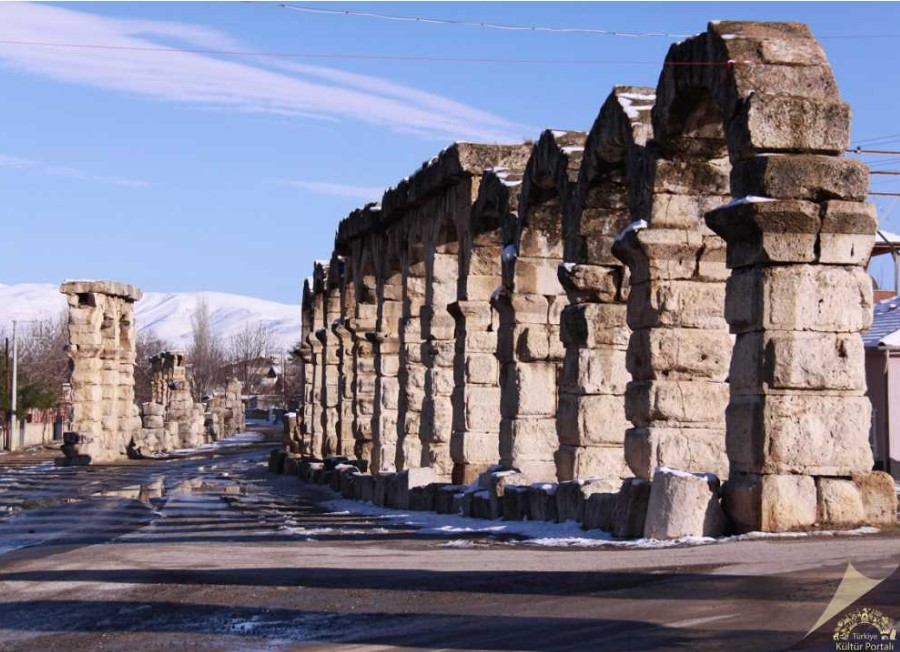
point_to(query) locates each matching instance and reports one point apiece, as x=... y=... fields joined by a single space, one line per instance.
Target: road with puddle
x=213 y=553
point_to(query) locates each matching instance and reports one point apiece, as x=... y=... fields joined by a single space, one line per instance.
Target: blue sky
x=189 y=171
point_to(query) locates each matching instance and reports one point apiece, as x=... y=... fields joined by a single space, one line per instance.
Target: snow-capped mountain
x=166 y=314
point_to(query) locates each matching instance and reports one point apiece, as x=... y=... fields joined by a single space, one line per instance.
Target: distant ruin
x=107 y=425
x=632 y=314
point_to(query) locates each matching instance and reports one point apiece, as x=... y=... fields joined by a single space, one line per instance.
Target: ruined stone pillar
x=679 y=349
x=307 y=383
x=387 y=359
x=475 y=444
x=799 y=236
x=591 y=417
x=171 y=420
x=411 y=372
x=529 y=348
x=102 y=353
x=330 y=359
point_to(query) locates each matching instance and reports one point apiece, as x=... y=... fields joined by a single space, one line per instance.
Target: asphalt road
x=212 y=553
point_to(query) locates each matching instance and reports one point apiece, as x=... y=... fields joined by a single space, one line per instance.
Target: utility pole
x=7 y=440
x=13 y=388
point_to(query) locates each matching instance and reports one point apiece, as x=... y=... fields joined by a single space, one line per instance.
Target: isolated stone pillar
x=102 y=353
x=529 y=348
x=475 y=443
x=591 y=416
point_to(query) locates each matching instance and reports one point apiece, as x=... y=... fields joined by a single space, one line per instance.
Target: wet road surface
x=213 y=553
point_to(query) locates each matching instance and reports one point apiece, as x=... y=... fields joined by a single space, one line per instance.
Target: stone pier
x=102 y=357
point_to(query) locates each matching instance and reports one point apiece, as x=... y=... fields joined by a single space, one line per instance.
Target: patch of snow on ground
x=550 y=534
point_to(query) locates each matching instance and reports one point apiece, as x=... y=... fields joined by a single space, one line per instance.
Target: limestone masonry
x=652 y=327
x=102 y=355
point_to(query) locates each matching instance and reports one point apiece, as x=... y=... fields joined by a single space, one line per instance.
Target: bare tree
x=249 y=351
x=206 y=354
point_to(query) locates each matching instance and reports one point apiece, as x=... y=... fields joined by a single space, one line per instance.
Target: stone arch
x=799 y=234
x=529 y=348
x=591 y=419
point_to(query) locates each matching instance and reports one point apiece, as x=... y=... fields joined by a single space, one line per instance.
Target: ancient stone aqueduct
x=683 y=286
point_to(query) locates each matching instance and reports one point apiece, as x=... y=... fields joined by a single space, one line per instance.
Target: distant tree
x=249 y=350
x=43 y=365
x=206 y=354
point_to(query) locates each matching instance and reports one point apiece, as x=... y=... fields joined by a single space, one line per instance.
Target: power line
x=376 y=57
x=532 y=28
x=891 y=173
x=482 y=24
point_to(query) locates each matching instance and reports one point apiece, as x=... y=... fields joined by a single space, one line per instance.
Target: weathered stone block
x=591 y=325
x=879 y=497
x=596 y=283
x=679 y=354
x=848 y=233
x=767 y=231
x=677 y=401
x=770 y=503
x=820 y=298
x=598 y=511
x=772 y=361
x=838 y=502
x=688 y=178
x=532 y=342
x=590 y=419
x=572 y=495
x=697 y=450
x=682 y=211
x=773 y=123
x=514 y=505
x=542 y=502
x=681 y=303
x=532 y=389
x=630 y=512
x=364 y=487
x=482 y=369
x=809 y=434
x=801 y=176
x=683 y=505
x=658 y=253
x=594 y=371
x=608 y=462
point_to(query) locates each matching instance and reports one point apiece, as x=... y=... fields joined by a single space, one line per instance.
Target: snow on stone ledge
x=678 y=473
x=637 y=225
x=749 y=199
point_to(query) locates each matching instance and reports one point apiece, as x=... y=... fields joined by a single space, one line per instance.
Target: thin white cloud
x=252 y=84
x=364 y=193
x=15 y=162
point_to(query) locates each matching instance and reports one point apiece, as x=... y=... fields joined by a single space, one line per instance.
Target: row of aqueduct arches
x=684 y=285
